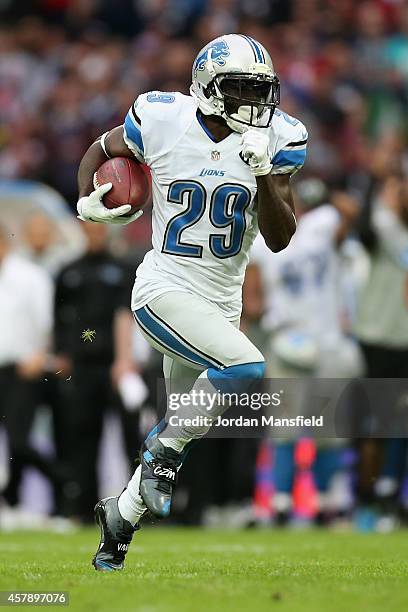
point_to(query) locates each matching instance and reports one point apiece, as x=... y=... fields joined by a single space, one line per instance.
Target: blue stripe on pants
x=164 y=337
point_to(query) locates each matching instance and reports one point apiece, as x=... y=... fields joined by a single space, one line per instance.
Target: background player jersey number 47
x=227 y=207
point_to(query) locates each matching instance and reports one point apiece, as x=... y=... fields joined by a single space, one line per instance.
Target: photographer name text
x=240 y=421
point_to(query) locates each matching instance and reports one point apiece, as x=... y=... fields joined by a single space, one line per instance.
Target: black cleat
x=116 y=535
x=159 y=475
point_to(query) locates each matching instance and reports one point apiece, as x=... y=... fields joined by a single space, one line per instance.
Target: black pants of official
x=19 y=400
x=381 y=362
x=86 y=396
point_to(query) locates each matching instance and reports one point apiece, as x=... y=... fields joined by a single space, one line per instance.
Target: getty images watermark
x=208 y=401
x=288 y=407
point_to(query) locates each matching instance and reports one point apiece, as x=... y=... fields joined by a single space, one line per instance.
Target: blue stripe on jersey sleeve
x=133 y=132
x=290 y=158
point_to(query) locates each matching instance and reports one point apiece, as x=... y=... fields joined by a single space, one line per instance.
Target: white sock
x=130 y=504
x=176 y=437
x=177 y=444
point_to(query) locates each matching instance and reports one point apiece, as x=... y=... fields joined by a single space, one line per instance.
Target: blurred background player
x=302 y=313
x=26 y=295
x=382 y=330
x=41 y=244
x=302 y=286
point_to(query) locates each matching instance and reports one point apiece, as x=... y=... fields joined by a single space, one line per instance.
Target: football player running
x=221 y=161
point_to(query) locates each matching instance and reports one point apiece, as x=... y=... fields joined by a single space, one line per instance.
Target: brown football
x=130 y=183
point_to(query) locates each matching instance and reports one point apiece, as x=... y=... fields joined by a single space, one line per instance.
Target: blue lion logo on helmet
x=219 y=52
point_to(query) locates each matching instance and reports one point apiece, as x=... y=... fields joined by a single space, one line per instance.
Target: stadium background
x=69 y=70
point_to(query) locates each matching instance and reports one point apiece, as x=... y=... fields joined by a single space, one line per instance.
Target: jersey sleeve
x=132 y=128
x=288 y=143
x=154 y=124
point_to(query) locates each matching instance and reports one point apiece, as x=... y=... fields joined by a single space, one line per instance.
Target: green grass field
x=171 y=569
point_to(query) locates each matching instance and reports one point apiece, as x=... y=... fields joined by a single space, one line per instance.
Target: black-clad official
x=93 y=336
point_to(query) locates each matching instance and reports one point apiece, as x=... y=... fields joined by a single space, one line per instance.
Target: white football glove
x=255 y=150
x=91 y=208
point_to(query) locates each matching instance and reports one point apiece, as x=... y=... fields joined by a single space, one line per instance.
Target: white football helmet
x=233 y=77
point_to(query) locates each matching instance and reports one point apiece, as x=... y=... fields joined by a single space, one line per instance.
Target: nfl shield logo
x=215 y=155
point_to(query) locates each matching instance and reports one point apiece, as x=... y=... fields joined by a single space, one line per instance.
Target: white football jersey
x=301 y=282
x=204 y=216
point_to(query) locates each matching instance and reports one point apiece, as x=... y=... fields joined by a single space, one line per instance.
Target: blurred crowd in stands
x=72 y=68
x=69 y=70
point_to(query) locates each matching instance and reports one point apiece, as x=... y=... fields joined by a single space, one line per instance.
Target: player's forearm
x=91 y=161
x=115 y=146
x=275 y=215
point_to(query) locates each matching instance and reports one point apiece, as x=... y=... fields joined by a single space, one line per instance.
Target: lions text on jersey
x=204 y=216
